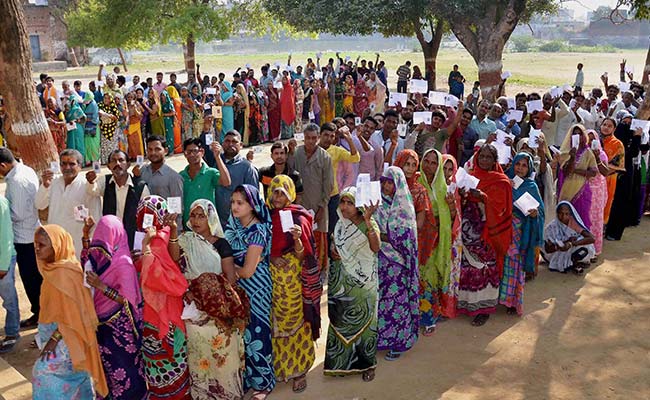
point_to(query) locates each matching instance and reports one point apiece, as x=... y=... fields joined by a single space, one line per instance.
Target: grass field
x=530 y=71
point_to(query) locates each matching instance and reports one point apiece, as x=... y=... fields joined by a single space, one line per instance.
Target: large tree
x=25 y=119
x=483 y=27
x=395 y=18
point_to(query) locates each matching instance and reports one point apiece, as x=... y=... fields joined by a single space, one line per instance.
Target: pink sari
x=598 y=185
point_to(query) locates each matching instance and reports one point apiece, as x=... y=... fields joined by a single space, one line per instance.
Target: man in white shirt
x=22 y=185
x=62 y=194
x=120 y=191
x=382 y=139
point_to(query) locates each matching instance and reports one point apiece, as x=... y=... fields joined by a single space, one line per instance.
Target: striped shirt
x=22 y=185
x=403 y=73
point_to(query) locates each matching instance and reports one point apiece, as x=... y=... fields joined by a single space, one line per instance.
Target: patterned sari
x=295 y=315
x=399 y=312
x=598 y=186
x=450 y=298
x=119 y=333
x=352 y=300
x=259 y=374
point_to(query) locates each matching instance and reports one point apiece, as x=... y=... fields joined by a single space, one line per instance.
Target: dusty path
x=580 y=338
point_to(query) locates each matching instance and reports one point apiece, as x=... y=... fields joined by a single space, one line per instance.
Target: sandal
x=578 y=270
x=480 y=319
x=8 y=343
x=429 y=330
x=392 y=355
x=260 y=395
x=368 y=375
x=511 y=311
x=299 y=384
x=33 y=344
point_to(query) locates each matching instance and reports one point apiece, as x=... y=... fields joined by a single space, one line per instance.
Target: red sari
x=273 y=112
x=288 y=104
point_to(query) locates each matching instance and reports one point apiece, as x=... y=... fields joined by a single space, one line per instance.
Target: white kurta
x=62 y=200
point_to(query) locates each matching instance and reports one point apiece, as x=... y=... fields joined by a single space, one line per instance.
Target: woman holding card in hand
x=297 y=288
x=577 y=166
x=527 y=236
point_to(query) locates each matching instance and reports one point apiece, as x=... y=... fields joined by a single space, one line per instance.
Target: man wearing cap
x=434 y=136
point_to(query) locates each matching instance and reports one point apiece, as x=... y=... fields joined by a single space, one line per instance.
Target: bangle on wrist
x=173 y=240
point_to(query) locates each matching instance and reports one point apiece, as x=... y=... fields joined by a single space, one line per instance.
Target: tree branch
x=461 y=28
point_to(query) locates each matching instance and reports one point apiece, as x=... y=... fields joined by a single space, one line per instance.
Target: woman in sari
x=449 y=298
x=178 y=114
x=352 y=292
x=215 y=336
x=527 y=236
x=297 y=288
x=308 y=103
x=163 y=285
x=75 y=115
x=377 y=93
x=427 y=231
x=437 y=265
x=486 y=235
x=568 y=244
x=156 y=119
x=339 y=93
x=598 y=186
x=360 y=97
x=315 y=105
x=69 y=366
x=56 y=123
x=287 y=109
x=118 y=304
x=624 y=210
x=199 y=112
x=227 y=110
x=348 y=95
x=249 y=233
x=255 y=118
x=108 y=117
x=169 y=115
x=615 y=152
x=300 y=97
x=134 y=134
x=326 y=112
x=273 y=111
x=543 y=172
x=399 y=312
x=577 y=166
x=91 y=128
x=242 y=114
x=187 y=110
x=122 y=123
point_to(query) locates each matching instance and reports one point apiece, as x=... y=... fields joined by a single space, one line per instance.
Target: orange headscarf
x=66 y=302
x=498 y=207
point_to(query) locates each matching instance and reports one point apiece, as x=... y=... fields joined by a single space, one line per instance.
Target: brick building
x=46 y=30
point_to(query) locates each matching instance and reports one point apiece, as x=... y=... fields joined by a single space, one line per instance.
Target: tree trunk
x=188 y=56
x=430 y=50
x=73 y=57
x=646 y=71
x=25 y=116
x=485 y=37
x=119 y=51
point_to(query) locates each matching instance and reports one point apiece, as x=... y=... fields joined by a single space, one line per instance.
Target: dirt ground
x=581 y=337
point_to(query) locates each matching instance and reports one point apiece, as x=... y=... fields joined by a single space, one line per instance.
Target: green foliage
x=554 y=46
x=522 y=43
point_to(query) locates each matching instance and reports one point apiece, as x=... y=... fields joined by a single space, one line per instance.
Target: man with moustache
x=64 y=193
x=120 y=191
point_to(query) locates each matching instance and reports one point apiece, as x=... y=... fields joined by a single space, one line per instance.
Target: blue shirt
x=241 y=172
x=483 y=128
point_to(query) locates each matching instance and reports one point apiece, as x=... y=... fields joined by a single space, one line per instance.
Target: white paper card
x=624 y=86
x=211 y=90
x=422 y=116
x=402 y=130
x=511 y=103
x=504 y=153
x=312 y=115
x=55 y=167
x=567 y=88
x=575 y=141
x=534 y=105
x=505 y=75
x=595 y=144
x=451 y=188
x=80 y=213
x=419 y=86
x=319 y=55
x=645 y=138
x=532 y=138
x=99 y=83
x=139 y=161
x=318 y=75
x=465 y=180
x=97 y=167
x=208 y=139
x=87 y=267
x=451 y=100
x=395 y=98
x=629 y=69
x=526 y=202
x=258 y=149
x=299 y=136
x=174 y=205
x=70 y=126
x=138 y=237
x=277 y=84
x=517 y=181
x=556 y=92
x=147 y=221
x=437 y=98
x=190 y=311
x=286 y=218
x=386 y=165
x=207 y=106
x=216 y=112
x=640 y=123
x=517 y=115
x=368 y=193
x=357 y=121
x=501 y=136
x=362 y=178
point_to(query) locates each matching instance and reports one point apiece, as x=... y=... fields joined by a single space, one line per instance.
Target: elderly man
x=315 y=167
x=67 y=198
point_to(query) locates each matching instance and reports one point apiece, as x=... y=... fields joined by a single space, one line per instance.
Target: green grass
x=530 y=71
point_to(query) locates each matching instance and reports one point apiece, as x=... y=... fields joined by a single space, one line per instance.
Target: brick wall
x=51 y=32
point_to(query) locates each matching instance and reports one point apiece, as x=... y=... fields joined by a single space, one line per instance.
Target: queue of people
x=149 y=283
